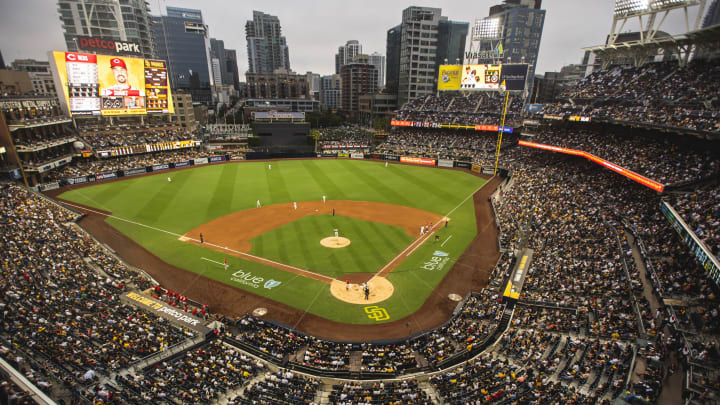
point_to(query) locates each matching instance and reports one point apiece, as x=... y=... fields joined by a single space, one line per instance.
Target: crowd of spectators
x=657 y=157
x=660 y=93
x=345 y=137
x=129 y=135
x=382 y=392
x=283 y=388
x=701 y=210
x=60 y=311
x=461 y=145
x=87 y=166
x=456 y=109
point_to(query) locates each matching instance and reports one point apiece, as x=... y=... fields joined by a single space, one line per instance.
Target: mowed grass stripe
x=221 y=197
x=432 y=186
x=161 y=199
x=325 y=183
x=305 y=248
x=383 y=190
x=277 y=187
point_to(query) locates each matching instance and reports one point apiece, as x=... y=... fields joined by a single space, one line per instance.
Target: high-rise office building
x=522 y=24
x=392 y=52
x=266 y=47
x=120 y=20
x=346 y=53
x=451 y=43
x=217 y=57
x=232 y=67
x=713 y=15
x=181 y=38
x=357 y=79
x=40 y=75
x=378 y=60
x=422 y=33
x=331 y=92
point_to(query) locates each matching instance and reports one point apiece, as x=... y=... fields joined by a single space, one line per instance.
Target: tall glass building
x=267 y=48
x=181 y=38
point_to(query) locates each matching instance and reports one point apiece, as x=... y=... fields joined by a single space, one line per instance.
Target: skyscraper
x=357 y=79
x=422 y=33
x=267 y=48
x=392 y=52
x=121 y=20
x=346 y=53
x=181 y=38
x=378 y=60
x=522 y=24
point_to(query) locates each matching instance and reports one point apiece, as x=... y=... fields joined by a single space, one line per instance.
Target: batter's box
x=377 y=313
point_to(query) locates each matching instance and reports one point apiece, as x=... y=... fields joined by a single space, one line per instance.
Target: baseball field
x=285 y=249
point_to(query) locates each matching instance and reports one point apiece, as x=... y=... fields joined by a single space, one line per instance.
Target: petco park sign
x=251 y=280
x=108 y=46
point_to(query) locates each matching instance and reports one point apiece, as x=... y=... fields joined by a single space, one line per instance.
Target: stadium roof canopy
x=640 y=50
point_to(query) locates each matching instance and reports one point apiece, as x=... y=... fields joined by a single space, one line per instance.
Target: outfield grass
x=155 y=212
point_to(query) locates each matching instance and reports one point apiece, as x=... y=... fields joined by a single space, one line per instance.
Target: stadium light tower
x=486 y=41
x=647 y=13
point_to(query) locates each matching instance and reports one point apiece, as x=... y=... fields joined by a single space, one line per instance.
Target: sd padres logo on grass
x=377 y=313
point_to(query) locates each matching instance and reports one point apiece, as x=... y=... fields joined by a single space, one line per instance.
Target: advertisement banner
x=578 y=118
x=449 y=77
x=162 y=309
x=463 y=165
x=216 y=158
x=343 y=155
x=397 y=123
x=49 y=186
x=328 y=155
x=182 y=164
x=76 y=180
x=417 y=160
x=488 y=170
x=476 y=169
x=445 y=163
x=357 y=156
x=131 y=172
x=200 y=161
x=374 y=156
x=105 y=176
x=392 y=157
x=111 y=84
x=480 y=77
x=533 y=108
x=553 y=117
x=164 y=166
x=514 y=76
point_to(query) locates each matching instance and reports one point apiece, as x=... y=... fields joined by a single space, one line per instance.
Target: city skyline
x=315 y=30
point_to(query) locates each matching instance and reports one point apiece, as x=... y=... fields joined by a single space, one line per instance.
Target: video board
x=112 y=85
x=482 y=77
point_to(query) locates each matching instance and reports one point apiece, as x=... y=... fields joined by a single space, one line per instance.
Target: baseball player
x=169 y=180
x=294 y=205
x=336 y=233
x=258 y=204
x=385 y=164
x=367 y=291
x=347 y=284
x=323 y=198
x=269 y=166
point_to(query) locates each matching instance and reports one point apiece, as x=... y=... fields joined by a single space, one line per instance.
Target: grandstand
x=618 y=301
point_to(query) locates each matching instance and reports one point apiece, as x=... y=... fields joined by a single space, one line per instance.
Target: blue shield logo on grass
x=271 y=284
x=440 y=253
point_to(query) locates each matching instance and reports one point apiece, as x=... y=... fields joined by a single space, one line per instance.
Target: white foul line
x=205 y=243
x=422 y=239
x=443 y=244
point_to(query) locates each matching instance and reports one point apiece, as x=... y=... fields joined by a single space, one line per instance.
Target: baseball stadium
x=502 y=238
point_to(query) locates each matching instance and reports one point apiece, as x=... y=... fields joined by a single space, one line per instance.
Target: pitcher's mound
x=333 y=242
x=380 y=290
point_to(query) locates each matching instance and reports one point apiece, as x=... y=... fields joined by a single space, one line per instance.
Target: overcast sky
x=314 y=29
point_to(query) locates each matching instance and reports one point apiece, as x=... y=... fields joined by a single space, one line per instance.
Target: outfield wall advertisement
x=417 y=160
x=111 y=85
x=421 y=124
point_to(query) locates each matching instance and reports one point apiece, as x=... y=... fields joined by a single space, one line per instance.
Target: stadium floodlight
x=667 y=4
x=630 y=7
x=488 y=28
